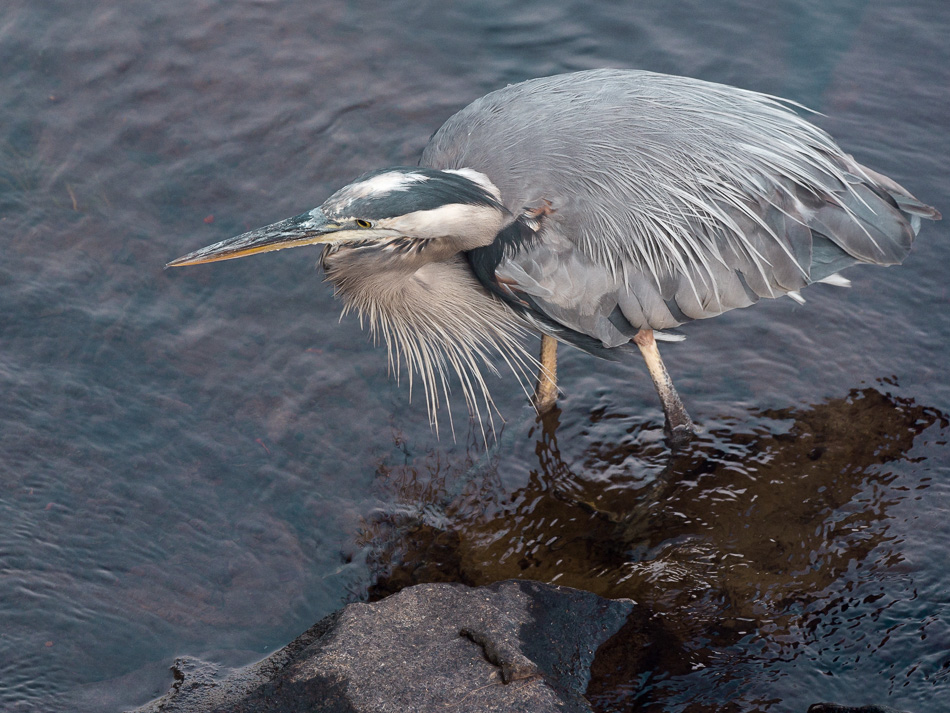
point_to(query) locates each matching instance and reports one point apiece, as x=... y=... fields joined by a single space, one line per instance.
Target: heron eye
x=363 y=223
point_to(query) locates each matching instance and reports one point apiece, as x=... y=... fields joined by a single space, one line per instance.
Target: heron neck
x=433 y=317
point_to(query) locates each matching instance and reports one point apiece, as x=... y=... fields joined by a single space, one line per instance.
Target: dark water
x=205 y=462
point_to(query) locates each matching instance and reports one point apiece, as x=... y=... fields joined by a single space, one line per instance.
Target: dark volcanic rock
x=512 y=646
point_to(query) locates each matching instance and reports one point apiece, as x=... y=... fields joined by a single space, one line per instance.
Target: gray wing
x=655 y=200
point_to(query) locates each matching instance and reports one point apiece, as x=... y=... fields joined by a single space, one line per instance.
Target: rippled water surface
x=205 y=461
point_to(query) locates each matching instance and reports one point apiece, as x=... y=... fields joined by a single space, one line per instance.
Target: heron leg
x=679 y=426
x=545 y=393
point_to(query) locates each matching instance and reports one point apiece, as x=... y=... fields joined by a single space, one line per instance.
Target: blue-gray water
x=205 y=461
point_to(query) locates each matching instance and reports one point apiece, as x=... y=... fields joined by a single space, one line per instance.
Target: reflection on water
x=746 y=549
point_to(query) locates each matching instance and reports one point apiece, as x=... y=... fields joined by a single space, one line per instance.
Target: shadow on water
x=737 y=549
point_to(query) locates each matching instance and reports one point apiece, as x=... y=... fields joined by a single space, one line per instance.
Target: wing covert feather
x=671 y=198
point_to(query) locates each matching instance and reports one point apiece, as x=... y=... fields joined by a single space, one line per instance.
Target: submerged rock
x=836 y=708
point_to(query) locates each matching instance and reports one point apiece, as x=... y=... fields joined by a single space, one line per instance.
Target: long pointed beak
x=305 y=229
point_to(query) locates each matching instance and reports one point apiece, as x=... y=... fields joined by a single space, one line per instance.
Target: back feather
x=672 y=199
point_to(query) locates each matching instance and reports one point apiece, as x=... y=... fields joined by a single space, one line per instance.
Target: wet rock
x=512 y=646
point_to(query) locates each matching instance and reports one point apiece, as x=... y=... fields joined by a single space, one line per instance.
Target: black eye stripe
x=438 y=189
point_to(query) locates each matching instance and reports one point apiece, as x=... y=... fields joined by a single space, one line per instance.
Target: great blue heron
x=593 y=208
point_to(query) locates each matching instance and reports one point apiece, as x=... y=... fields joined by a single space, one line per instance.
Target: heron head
x=458 y=209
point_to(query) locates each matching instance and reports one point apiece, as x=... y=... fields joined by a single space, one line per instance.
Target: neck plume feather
x=438 y=318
